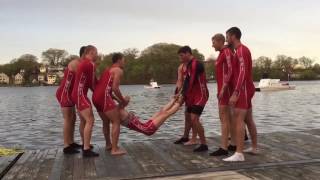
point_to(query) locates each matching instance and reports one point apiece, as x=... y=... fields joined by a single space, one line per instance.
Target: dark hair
x=116 y=57
x=235 y=31
x=88 y=49
x=82 y=50
x=185 y=49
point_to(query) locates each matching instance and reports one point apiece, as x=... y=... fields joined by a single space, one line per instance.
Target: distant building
x=41 y=77
x=60 y=74
x=55 y=68
x=4 y=79
x=52 y=78
x=18 y=79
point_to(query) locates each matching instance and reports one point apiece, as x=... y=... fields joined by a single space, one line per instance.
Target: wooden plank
x=6 y=163
x=67 y=167
x=120 y=166
x=99 y=163
x=57 y=166
x=14 y=171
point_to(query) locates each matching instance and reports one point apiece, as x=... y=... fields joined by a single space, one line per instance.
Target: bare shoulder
x=73 y=65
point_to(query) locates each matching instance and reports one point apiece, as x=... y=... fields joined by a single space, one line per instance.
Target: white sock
x=236 y=157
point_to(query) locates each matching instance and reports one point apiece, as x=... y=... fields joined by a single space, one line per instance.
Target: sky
x=269 y=28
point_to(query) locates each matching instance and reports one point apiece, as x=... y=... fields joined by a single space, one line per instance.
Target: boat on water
x=274 y=85
x=153 y=85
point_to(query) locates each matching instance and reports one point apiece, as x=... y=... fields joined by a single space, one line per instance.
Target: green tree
x=54 y=56
x=69 y=58
x=306 y=62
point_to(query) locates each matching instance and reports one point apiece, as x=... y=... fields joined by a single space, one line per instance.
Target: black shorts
x=195 y=109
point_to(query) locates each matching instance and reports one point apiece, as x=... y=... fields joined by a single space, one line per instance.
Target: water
x=31 y=117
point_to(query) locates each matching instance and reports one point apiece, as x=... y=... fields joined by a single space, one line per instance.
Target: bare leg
x=73 y=124
x=114 y=116
x=240 y=115
x=195 y=119
x=81 y=127
x=160 y=118
x=106 y=129
x=67 y=125
x=87 y=114
x=252 y=130
x=225 y=126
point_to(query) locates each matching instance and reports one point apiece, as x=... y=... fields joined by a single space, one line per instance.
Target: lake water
x=30 y=117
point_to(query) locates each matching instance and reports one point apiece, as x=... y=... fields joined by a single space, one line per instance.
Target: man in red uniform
x=102 y=98
x=195 y=93
x=63 y=96
x=223 y=77
x=243 y=91
x=85 y=79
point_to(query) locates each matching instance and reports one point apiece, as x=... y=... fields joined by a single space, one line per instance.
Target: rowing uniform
x=102 y=95
x=242 y=82
x=134 y=123
x=195 y=89
x=85 y=79
x=223 y=74
x=63 y=93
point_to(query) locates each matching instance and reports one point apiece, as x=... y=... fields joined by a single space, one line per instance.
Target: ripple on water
x=31 y=117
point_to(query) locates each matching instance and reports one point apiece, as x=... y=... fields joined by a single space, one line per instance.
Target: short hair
x=82 y=49
x=88 y=49
x=185 y=49
x=219 y=37
x=116 y=57
x=235 y=31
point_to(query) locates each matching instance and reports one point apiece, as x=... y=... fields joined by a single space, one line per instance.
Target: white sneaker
x=251 y=151
x=236 y=157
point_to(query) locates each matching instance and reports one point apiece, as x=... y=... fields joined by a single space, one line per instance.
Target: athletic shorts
x=224 y=101
x=64 y=100
x=195 y=109
x=83 y=103
x=244 y=100
x=148 y=128
x=104 y=104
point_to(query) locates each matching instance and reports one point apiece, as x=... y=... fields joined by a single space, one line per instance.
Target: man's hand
x=125 y=102
x=233 y=99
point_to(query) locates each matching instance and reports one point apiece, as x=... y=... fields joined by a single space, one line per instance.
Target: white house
x=52 y=78
x=4 y=79
x=41 y=77
x=18 y=79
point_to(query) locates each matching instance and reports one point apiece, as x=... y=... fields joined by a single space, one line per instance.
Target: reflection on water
x=31 y=118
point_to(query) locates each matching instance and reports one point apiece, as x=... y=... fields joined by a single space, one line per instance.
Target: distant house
x=60 y=74
x=4 y=79
x=52 y=78
x=55 y=68
x=18 y=79
x=41 y=77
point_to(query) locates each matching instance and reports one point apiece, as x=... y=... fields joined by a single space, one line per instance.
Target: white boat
x=274 y=85
x=153 y=85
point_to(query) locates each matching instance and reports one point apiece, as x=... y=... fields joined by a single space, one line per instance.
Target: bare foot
x=118 y=152
x=191 y=142
x=108 y=147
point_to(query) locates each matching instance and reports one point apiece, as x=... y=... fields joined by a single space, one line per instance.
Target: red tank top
x=65 y=89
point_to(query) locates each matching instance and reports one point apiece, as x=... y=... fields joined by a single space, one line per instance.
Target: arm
x=193 y=70
x=92 y=79
x=117 y=74
x=226 y=75
x=180 y=79
x=242 y=70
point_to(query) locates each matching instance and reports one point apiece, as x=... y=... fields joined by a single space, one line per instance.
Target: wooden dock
x=283 y=155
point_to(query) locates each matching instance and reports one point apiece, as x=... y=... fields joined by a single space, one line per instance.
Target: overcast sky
x=289 y=27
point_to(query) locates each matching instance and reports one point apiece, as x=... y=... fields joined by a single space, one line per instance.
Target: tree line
x=160 y=62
